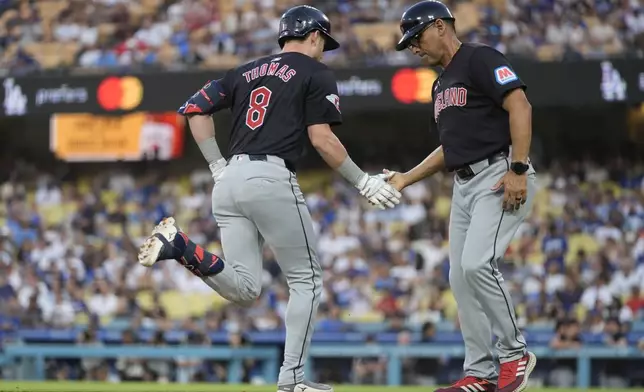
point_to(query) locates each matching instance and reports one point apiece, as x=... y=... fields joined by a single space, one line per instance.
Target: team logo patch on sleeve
x=335 y=100
x=504 y=75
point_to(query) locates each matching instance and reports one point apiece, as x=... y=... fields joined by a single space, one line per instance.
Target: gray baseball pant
x=479 y=235
x=256 y=202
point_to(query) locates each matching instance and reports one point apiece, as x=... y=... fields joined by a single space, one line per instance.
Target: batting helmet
x=298 y=21
x=418 y=17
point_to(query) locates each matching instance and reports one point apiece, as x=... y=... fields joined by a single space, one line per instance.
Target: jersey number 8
x=259 y=100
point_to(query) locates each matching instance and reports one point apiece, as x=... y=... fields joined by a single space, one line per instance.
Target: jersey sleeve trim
x=510 y=89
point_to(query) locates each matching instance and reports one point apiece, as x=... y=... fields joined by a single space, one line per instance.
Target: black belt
x=465 y=172
x=264 y=158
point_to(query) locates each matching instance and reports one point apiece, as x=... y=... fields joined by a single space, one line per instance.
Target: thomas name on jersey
x=270 y=69
x=453 y=96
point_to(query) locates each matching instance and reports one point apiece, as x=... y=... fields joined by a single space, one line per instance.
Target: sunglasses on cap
x=415 y=40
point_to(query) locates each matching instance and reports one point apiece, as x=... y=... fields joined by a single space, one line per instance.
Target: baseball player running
x=256 y=198
x=480 y=109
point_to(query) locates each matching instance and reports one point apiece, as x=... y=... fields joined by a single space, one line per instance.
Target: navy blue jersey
x=468 y=104
x=273 y=100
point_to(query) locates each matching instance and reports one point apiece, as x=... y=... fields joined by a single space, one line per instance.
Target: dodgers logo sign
x=504 y=75
x=613 y=86
x=15 y=102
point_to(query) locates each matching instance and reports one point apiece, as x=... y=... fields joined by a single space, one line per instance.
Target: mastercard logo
x=413 y=85
x=116 y=93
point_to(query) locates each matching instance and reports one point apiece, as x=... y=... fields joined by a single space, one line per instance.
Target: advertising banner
x=134 y=136
x=72 y=94
x=583 y=83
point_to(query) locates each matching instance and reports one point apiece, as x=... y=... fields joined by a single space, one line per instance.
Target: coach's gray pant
x=257 y=201
x=479 y=235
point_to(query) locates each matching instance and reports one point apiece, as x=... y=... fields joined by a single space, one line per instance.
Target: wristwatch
x=519 y=167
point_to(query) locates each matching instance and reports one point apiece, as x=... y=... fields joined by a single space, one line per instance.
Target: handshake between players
x=378 y=191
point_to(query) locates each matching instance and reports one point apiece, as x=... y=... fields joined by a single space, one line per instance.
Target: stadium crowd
x=67 y=257
x=99 y=34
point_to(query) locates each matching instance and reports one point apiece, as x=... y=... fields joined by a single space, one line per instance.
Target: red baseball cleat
x=513 y=376
x=470 y=384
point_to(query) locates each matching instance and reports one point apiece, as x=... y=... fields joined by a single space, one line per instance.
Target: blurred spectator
x=369 y=371
x=6 y=290
x=427 y=370
x=92 y=369
x=614 y=334
x=570 y=294
x=194 y=369
x=251 y=369
x=408 y=364
x=626 y=278
x=636 y=302
x=61 y=314
x=159 y=368
x=613 y=375
x=567 y=337
x=104 y=302
x=597 y=294
x=130 y=369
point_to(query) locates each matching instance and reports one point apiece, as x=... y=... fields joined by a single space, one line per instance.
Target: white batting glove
x=217 y=168
x=390 y=194
x=378 y=192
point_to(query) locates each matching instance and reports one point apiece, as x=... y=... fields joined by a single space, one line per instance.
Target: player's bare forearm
x=334 y=153
x=202 y=127
x=520 y=113
x=434 y=163
x=203 y=130
x=330 y=148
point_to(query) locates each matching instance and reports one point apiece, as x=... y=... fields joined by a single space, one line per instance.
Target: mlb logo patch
x=335 y=100
x=504 y=75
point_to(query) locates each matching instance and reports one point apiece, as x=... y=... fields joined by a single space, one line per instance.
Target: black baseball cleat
x=159 y=245
x=305 y=386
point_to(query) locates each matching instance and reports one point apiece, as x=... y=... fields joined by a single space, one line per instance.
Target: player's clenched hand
x=217 y=168
x=378 y=192
x=395 y=179
x=515 y=190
